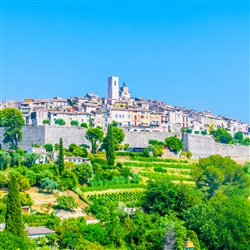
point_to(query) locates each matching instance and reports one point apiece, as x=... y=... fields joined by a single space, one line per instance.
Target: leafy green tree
x=174 y=143
x=216 y=172
x=238 y=136
x=49 y=147
x=69 y=240
x=74 y=123
x=49 y=184
x=83 y=172
x=158 y=150
x=23 y=182
x=68 y=180
x=61 y=157
x=90 y=122
x=84 y=125
x=60 y=121
x=30 y=159
x=9 y=241
x=246 y=141
x=126 y=146
x=16 y=159
x=110 y=146
x=114 y=124
x=222 y=135
x=26 y=199
x=66 y=202
x=118 y=136
x=94 y=135
x=46 y=121
x=12 y=120
x=223 y=223
x=4 y=160
x=14 y=222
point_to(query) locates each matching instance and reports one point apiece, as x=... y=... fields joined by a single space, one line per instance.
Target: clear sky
x=192 y=54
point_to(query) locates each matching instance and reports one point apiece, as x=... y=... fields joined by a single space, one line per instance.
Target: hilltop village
x=131 y=114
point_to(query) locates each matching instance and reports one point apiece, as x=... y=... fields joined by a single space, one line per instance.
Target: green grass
x=157 y=176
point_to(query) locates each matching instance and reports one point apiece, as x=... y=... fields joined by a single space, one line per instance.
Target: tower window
x=115 y=83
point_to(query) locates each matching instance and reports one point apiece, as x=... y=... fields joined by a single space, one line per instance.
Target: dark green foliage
x=194 y=238
x=222 y=135
x=110 y=146
x=216 y=172
x=74 y=123
x=9 y=241
x=30 y=159
x=204 y=132
x=49 y=184
x=223 y=223
x=16 y=159
x=68 y=180
x=196 y=132
x=100 y=161
x=160 y=169
x=46 y=121
x=12 y=121
x=94 y=135
x=77 y=150
x=246 y=141
x=61 y=157
x=189 y=130
x=84 y=125
x=4 y=160
x=238 y=136
x=49 y=147
x=114 y=124
x=41 y=219
x=174 y=143
x=14 y=223
x=126 y=172
x=60 y=122
x=66 y=202
x=83 y=172
x=145 y=153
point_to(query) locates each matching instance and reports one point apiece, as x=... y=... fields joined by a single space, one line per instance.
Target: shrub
x=48 y=147
x=74 y=123
x=183 y=153
x=100 y=161
x=204 y=132
x=84 y=125
x=189 y=130
x=189 y=154
x=46 y=121
x=174 y=143
x=66 y=202
x=60 y=122
x=196 y=132
x=160 y=169
x=126 y=146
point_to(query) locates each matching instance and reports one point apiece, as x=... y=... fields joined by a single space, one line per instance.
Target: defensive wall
x=199 y=145
x=205 y=145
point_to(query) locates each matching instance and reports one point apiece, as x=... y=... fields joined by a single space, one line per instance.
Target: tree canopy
x=94 y=135
x=174 y=143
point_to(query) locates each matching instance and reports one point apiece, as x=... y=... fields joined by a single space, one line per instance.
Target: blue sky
x=190 y=54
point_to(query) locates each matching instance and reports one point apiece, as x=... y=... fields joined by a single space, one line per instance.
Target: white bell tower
x=113 y=88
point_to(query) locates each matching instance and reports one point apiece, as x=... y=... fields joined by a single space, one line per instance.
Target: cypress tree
x=14 y=222
x=110 y=146
x=61 y=157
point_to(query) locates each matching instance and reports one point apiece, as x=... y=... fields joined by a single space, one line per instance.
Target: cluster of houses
x=135 y=114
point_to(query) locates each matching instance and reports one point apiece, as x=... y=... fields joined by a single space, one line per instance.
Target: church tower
x=113 y=88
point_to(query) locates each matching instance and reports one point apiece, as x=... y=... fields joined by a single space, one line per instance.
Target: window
x=82 y=120
x=128 y=116
x=122 y=116
x=115 y=116
x=115 y=83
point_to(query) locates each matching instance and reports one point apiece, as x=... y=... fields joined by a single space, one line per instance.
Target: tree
x=26 y=199
x=94 y=135
x=60 y=121
x=49 y=184
x=83 y=172
x=46 y=121
x=110 y=146
x=12 y=121
x=68 y=180
x=74 y=123
x=189 y=154
x=14 y=222
x=30 y=159
x=174 y=143
x=16 y=159
x=84 y=125
x=118 y=136
x=126 y=146
x=204 y=132
x=49 y=147
x=61 y=157
x=238 y=136
x=9 y=241
x=4 y=160
x=246 y=141
x=222 y=135
x=66 y=202
x=114 y=124
x=216 y=172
